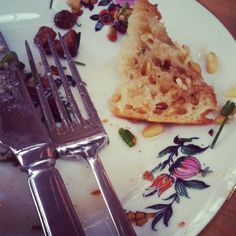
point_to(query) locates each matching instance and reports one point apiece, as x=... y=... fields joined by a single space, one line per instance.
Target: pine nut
x=211 y=62
x=152 y=130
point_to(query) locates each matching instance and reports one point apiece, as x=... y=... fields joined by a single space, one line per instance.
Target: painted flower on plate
x=185 y=167
x=160 y=184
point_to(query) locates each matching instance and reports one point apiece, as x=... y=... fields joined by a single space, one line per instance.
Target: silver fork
x=78 y=136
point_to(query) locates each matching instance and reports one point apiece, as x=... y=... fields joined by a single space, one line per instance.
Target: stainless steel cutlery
x=79 y=133
x=22 y=131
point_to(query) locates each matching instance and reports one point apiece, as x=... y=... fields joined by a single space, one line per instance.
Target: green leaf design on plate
x=167 y=215
x=156 y=219
x=192 y=149
x=195 y=184
x=180 y=188
x=157 y=206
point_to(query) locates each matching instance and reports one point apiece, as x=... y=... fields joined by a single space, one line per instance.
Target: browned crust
x=171 y=119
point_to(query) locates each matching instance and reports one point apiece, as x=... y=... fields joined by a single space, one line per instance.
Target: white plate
x=187 y=23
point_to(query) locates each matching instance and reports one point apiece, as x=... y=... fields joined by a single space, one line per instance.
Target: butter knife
x=23 y=132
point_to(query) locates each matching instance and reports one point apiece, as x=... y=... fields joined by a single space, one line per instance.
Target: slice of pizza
x=160 y=82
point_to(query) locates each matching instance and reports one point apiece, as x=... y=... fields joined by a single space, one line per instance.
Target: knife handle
x=52 y=201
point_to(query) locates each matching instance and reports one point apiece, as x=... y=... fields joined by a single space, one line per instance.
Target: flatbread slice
x=160 y=82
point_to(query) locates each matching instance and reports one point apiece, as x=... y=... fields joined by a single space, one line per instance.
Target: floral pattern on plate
x=183 y=167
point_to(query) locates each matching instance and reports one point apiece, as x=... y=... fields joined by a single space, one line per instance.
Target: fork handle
x=112 y=202
x=53 y=203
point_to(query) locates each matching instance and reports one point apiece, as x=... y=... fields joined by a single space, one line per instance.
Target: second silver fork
x=78 y=136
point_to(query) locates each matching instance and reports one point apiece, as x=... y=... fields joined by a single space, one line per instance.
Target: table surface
x=224 y=223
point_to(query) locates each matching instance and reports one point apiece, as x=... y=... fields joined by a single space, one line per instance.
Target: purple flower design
x=185 y=167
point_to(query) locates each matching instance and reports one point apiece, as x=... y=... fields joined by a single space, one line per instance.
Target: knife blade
x=23 y=132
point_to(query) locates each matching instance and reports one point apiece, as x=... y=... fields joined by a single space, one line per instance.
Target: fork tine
x=65 y=83
x=80 y=85
x=66 y=123
x=42 y=98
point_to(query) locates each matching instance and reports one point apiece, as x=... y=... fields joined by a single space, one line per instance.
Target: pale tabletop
x=224 y=223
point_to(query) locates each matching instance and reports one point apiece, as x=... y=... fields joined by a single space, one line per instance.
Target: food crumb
x=96 y=192
x=105 y=121
x=181 y=224
x=128 y=137
x=211 y=132
x=219 y=119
